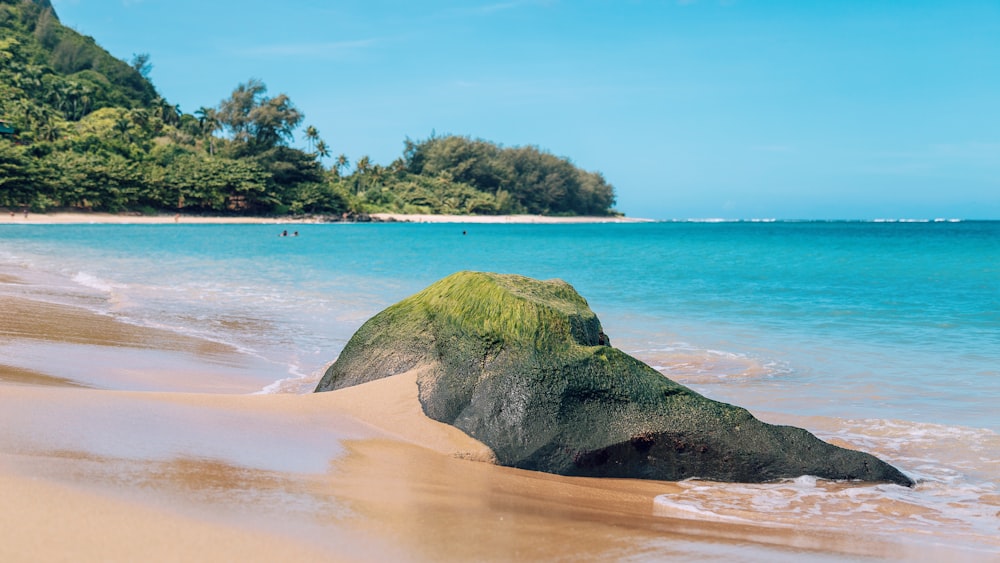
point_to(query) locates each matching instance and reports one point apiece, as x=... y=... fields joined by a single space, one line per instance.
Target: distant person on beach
x=284 y=233
x=295 y=234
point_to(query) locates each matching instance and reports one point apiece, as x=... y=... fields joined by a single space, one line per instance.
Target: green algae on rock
x=523 y=366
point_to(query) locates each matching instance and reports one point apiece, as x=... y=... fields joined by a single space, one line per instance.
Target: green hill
x=51 y=73
x=80 y=129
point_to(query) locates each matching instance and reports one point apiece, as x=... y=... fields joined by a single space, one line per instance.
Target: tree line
x=93 y=134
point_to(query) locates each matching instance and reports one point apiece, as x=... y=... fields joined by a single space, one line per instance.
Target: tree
x=289 y=167
x=361 y=179
x=45 y=29
x=123 y=126
x=169 y=114
x=140 y=62
x=523 y=178
x=474 y=162
x=312 y=136
x=208 y=122
x=234 y=113
x=340 y=164
x=258 y=122
x=364 y=165
x=72 y=98
x=322 y=150
x=93 y=180
x=216 y=184
x=17 y=185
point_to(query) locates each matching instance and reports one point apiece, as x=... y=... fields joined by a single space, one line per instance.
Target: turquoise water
x=886 y=335
x=908 y=311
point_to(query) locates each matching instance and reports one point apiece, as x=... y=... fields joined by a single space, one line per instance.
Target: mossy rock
x=523 y=366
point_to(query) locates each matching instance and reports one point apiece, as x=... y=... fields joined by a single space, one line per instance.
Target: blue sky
x=734 y=109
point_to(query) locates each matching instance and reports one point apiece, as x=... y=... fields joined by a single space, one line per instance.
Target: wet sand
x=188 y=465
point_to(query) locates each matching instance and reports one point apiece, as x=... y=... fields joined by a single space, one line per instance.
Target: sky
x=738 y=109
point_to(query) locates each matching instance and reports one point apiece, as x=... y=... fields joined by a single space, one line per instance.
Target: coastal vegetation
x=80 y=129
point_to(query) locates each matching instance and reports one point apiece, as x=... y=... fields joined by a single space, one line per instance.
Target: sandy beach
x=61 y=218
x=125 y=443
x=95 y=473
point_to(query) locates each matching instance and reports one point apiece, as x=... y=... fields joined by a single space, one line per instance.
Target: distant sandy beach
x=500 y=219
x=133 y=219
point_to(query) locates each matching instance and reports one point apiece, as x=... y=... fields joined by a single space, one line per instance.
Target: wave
x=691 y=365
x=298 y=383
x=94 y=282
x=955 y=502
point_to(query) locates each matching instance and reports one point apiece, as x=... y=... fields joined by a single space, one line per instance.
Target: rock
x=524 y=366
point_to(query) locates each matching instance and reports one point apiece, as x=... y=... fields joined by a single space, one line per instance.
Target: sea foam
x=94 y=282
x=954 y=497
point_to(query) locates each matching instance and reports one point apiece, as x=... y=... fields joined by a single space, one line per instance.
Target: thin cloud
x=774 y=148
x=724 y=3
x=499 y=7
x=969 y=150
x=328 y=49
x=496 y=7
x=968 y=156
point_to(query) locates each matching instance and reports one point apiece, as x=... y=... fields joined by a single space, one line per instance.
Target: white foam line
x=296 y=377
x=663 y=505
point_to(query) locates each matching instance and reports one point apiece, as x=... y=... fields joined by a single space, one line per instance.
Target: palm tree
x=341 y=163
x=312 y=135
x=47 y=129
x=72 y=92
x=171 y=115
x=78 y=101
x=208 y=121
x=140 y=117
x=321 y=149
x=362 y=168
x=378 y=174
x=57 y=96
x=122 y=126
x=364 y=165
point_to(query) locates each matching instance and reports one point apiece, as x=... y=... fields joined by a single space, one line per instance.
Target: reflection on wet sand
x=38 y=320
x=14 y=375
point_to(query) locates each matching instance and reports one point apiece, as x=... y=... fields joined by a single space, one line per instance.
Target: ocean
x=881 y=335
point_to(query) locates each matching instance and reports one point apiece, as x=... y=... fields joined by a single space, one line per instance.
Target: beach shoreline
x=73 y=218
x=226 y=473
x=185 y=461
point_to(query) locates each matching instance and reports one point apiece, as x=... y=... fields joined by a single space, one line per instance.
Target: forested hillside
x=80 y=129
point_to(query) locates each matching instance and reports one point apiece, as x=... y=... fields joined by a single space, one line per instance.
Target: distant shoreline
x=83 y=217
x=499 y=219
x=69 y=218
